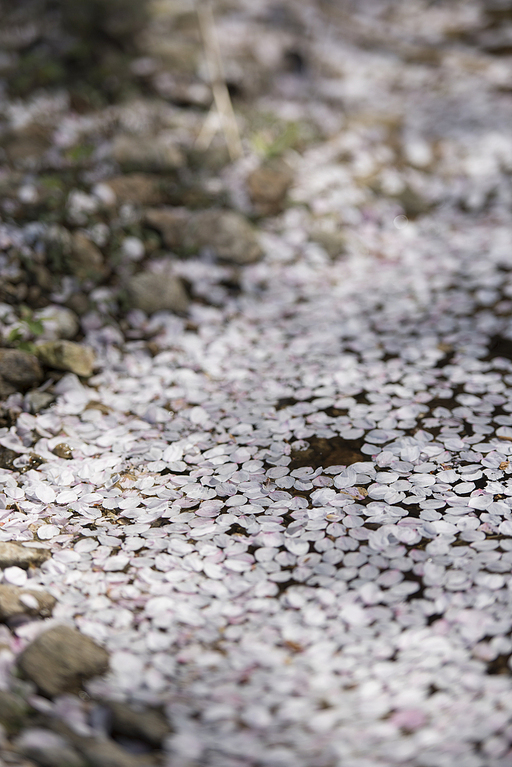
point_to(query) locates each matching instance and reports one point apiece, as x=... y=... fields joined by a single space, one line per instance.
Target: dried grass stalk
x=220 y=91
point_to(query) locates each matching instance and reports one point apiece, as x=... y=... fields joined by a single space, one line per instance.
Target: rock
x=42 y=277
x=47 y=749
x=58 y=245
x=58 y=322
x=137 y=188
x=119 y=20
x=86 y=261
x=14 y=554
x=60 y=659
x=268 y=186
x=63 y=451
x=182 y=58
x=413 y=203
x=66 y=355
x=334 y=243
x=227 y=233
x=36 y=400
x=19 y=369
x=105 y=753
x=28 y=144
x=78 y=303
x=153 y=292
x=213 y=159
x=171 y=223
x=7 y=457
x=193 y=194
x=16 y=600
x=150 y=726
x=6 y=389
x=154 y=154
x=13 y=711
x=184 y=89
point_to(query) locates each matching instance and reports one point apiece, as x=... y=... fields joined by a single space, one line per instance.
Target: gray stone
x=152 y=292
x=6 y=389
x=334 y=243
x=47 y=748
x=58 y=322
x=268 y=186
x=137 y=188
x=7 y=457
x=148 y=725
x=172 y=223
x=13 y=711
x=58 y=244
x=227 y=233
x=14 y=554
x=16 y=600
x=105 y=753
x=147 y=153
x=19 y=369
x=120 y=20
x=42 y=277
x=413 y=203
x=78 y=303
x=66 y=355
x=28 y=144
x=86 y=260
x=60 y=659
x=36 y=400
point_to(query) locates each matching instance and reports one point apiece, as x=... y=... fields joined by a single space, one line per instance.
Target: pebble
x=120 y=21
x=14 y=554
x=36 y=401
x=27 y=145
x=47 y=748
x=86 y=260
x=413 y=203
x=151 y=292
x=58 y=660
x=67 y=355
x=19 y=369
x=334 y=243
x=13 y=711
x=147 y=725
x=58 y=322
x=16 y=600
x=63 y=451
x=100 y=752
x=268 y=186
x=227 y=233
x=172 y=223
x=158 y=154
x=137 y=188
